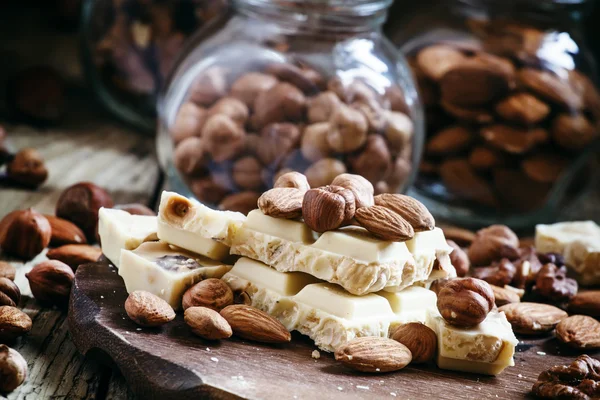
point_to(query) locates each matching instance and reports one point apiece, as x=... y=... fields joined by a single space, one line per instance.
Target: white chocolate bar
x=166 y=272
x=195 y=221
x=410 y=304
x=578 y=242
x=348 y=257
x=487 y=348
x=207 y=247
x=323 y=311
x=120 y=230
x=427 y=247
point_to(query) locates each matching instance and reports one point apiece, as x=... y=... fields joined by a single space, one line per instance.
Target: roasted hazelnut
x=324 y=171
x=465 y=302
x=24 y=233
x=208 y=190
x=353 y=91
x=276 y=142
x=223 y=137
x=283 y=102
x=374 y=160
x=188 y=122
x=27 y=168
x=396 y=99
x=232 y=107
x=246 y=173
x=80 y=204
x=211 y=293
x=348 y=129
x=552 y=283
x=420 y=340
x=459 y=259
x=301 y=78
x=243 y=202
x=375 y=115
x=250 y=85
x=208 y=87
x=51 y=282
x=292 y=180
x=190 y=156
x=573 y=132
x=314 y=141
x=361 y=188
x=13 y=369
x=398 y=176
x=493 y=243
x=322 y=106
x=327 y=208
x=500 y=273
x=398 y=131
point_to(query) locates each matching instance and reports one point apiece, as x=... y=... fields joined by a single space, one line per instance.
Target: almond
x=147 y=309
x=409 y=208
x=13 y=323
x=449 y=140
x=532 y=318
x=419 y=339
x=522 y=108
x=207 y=323
x=544 y=167
x=75 y=254
x=211 y=293
x=7 y=270
x=512 y=139
x=586 y=303
x=374 y=354
x=579 y=331
x=253 y=324
x=9 y=293
x=480 y=115
x=460 y=179
x=361 y=188
x=292 y=180
x=550 y=87
x=64 y=232
x=436 y=60
x=384 y=223
x=282 y=202
x=504 y=296
x=518 y=191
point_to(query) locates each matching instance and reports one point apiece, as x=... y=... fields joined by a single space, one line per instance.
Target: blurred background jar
x=511 y=107
x=130 y=46
x=310 y=86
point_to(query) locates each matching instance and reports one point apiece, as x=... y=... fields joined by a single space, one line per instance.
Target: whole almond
x=532 y=318
x=147 y=309
x=586 y=303
x=361 y=188
x=522 y=108
x=504 y=296
x=550 y=87
x=64 y=232
x=283 y=202
x=579 y=331
x=75 y=254
x=13 y=323
x=207 y=323
x=449 y=141
x=253 y=324
x=513 y=140
x=374 y=354
x=436 y=60
x=51 y=281
x=420 y=340
x=211 y=293
x=9 y=293
x=409 y=208
x=7 y=270
x=384 y=223
x=292 y=180
x=462 y=180
x=544 y=167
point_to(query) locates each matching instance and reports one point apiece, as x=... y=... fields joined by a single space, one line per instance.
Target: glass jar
x=511 y=109
x=130 y=46
x=310 y=86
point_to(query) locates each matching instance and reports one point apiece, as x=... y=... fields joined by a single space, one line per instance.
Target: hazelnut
x=314 y=141
x=375 y=115
x=211 y=293
x=51 y=282
x=398 y=131
x=292 y=180
x=276 y=142
x=13 y=369
x=420 y=340
x=7 y=270
x=327 y=208
x=348 y=129
x=396 y=99
x=465 y=302
x=361 y=188
x=322 y=106
x=492 y=243
x=398 y=175
x=573 y=132
x=283 y=102
x=500 y=273
x=324 y=171
x=459 y=259
x=243 y=202
x=24 y=233
x=250 y=85
x=190 y=156
x=208 y=87
x=301 y=78
x=374 y=160
x=223 y=137
x=247 y=173
x=9 y=293
x=353 y=91
x=80 y=204
x=207 y=190
x=232 y=107
x=27 y=168
x=188 y=122
x=13 y=323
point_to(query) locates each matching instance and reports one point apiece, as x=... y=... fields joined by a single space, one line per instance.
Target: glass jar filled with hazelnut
x=310 y=86
x=512 y=112
x=130 y=46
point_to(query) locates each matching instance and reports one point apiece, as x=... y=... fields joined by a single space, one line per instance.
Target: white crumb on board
x=215 y=359
x=362 y=387
x=316 y=355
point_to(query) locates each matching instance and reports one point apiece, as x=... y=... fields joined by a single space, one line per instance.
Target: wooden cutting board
x=171 y=363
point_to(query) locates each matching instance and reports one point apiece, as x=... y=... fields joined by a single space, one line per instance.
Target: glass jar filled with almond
x=511 y=108
x=277 y=86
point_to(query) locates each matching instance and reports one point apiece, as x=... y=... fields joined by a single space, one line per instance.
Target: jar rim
x=339 y=7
